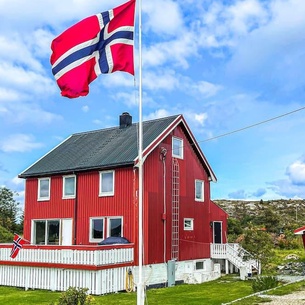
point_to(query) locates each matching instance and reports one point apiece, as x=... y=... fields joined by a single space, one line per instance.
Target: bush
x=75 y=296
x=264 y=283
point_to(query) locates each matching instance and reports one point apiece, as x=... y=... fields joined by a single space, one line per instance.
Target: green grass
x=18 y=296
x=216 y=292
x=223 y=290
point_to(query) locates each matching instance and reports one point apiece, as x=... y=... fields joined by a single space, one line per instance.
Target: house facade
x=86 y=190
x=76 y=197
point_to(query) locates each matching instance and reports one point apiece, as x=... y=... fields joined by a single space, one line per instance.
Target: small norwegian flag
x=17 y=245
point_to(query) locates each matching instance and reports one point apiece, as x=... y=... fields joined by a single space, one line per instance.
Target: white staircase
x=236 y=255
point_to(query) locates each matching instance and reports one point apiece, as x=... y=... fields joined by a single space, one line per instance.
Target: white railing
x=237 y=255
x=60 y=279
x=95 y=257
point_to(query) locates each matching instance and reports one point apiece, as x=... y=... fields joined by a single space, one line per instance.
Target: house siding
x=90 y=204
x=193 y=244
x=54 y=208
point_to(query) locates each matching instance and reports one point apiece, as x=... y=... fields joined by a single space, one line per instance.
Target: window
x=200 y=265
x=199 y=192
x=46 y=232
x=177 y=146
x=44 y=189
x=115 y=227
x=107 y=183
x=188 y=224
x=96 y=229
x=69 y=183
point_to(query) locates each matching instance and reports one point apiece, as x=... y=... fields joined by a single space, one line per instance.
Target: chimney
x=125 y=120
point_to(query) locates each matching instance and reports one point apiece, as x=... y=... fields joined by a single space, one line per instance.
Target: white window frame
x=33 y=230
x=111 y=193
x=64 y=196
x=41 y=198
x=94 y=240
x=188 y=227
x=201 y=199
x=180 y=155
x=109 y=228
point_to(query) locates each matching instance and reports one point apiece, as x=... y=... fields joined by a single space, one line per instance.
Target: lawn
x=223 y=290
x=216 y=292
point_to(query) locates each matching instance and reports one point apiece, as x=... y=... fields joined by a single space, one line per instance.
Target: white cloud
x=85 y=108
x=21 y=15
x=28 y=81
x=9 y=95
x=41 y=41
x=14 y=49
x=206 y=89
x=19 y=143
x=175 y=51
x=245 y=15
x=160 y=113
x=201 y=118
x=296 y=172
x=117 y=79
x=161 y=80
x=24 y=112
x=17 y=181
x=130 y=99
x=164 y=16
x=275 y=50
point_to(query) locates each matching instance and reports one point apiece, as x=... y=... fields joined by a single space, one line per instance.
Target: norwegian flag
x=17 y=245
x=102 y=43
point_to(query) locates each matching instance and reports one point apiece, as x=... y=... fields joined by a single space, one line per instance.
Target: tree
x=259 y=243
x=272 y=220
x=8 y=209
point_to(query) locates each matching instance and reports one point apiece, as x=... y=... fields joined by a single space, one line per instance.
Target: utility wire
x=253 y=125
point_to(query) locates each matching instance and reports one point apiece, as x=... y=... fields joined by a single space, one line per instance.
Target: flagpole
x=140 y=286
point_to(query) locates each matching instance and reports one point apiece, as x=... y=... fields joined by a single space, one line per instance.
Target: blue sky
x=224 y=65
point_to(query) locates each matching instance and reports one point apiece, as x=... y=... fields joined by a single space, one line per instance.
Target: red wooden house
x=85 y=190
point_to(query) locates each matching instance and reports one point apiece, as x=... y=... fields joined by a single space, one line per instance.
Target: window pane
x=187 y=224
x=97 y=229
x=44 y=188
x=69 y=186
x=199 y=194
x=199 y=265
x=115 y=226
x=53 y=232
x=40 y=231
x=177 y=147
x=107 y=182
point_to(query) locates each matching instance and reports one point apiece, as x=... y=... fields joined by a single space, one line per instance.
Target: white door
x=66 y=232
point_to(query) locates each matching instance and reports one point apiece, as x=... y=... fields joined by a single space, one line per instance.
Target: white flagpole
x=140 y=286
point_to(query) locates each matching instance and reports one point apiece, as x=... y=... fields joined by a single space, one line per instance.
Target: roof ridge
x=118 y=127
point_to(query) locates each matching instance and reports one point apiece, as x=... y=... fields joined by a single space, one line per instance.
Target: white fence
x=58 y=279
x=71 y=256
x=100 y=269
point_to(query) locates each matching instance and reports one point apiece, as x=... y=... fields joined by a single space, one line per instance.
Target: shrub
x=75 y=296
x=264 y=283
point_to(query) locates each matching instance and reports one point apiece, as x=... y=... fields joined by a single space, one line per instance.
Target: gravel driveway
x=296 y=298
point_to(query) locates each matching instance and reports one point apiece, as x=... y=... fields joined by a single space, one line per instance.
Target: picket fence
x=101 y=270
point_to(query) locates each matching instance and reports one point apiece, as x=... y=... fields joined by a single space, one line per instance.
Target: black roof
x=104 y=148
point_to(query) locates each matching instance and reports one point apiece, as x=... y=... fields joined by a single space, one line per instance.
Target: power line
x=253 y=125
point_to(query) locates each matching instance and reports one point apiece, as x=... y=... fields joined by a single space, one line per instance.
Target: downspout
x=75 y=210
x=162 y=157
